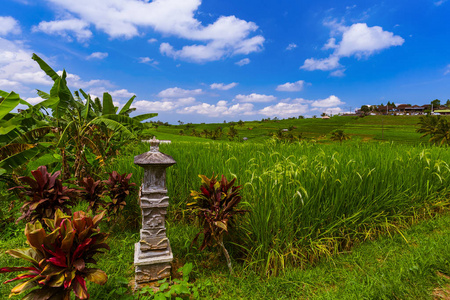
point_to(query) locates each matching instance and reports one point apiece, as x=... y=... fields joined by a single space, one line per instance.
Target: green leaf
x=19 y=159
x=125 y=120
x=163 y=286
x=28 y=254
x=46 y=68
x=12 y=149
x=186 y=270
x=115 y=126
x=108 y=105
x=43 y=95
x=143 y=117
x=8 y=104
x=127 y=105
x=160 y=296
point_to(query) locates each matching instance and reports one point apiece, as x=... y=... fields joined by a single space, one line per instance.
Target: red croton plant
x=216 y=206
x=45 y=195
x=59 y=259
x=119 y=187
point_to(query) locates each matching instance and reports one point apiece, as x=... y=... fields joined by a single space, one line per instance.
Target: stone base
x=151 y=269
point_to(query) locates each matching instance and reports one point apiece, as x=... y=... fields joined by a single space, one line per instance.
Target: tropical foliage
x=59 y=258
x=216 y=207
x=45 y=195
x=118 y=188
x=83 y=132
x=339 y=135
x=93 y=192
x=436 y=127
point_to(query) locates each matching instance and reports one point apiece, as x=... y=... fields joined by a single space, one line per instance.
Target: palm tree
x=339 y=135
x=436 y=127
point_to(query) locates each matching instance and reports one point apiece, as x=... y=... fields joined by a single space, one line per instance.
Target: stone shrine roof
x=154 y=157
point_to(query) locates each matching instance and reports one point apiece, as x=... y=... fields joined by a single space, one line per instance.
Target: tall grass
x=308 y=200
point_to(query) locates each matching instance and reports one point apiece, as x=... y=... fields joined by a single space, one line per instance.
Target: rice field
x=309 y=200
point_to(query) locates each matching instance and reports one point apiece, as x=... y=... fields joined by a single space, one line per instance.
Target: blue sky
x=210 y=61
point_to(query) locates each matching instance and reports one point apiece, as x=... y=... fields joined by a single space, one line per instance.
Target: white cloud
x=440 y=2
x=152 y=40
x=291 y=87
x=98 y=55
x=240 y=108
x=300 y=101
x=222 y=86
x=284 y=110
x=34 y=100
x=255 y=98
x=242 y=62
x=333 y=111
x=122 y=93
x=224 y=37
x=338 y=73
x=66 y=28
x=447 y=70
x=16 y=66
x=219 y=109
x=291 y=46
x=206 y=109
x=361 y=40
x=177 y=92
x=325 y=64
x=9 y=25
x=75 y=81
x=6 y=84
x=185 y=101
x=148 y=60
x=358 y=40
x=328 y=102
x=163 y=105
x=154 y=106
x=331 y=44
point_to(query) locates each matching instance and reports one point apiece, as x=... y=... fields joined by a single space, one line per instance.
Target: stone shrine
x=152 y=254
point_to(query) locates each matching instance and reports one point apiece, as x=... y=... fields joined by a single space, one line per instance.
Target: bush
x=45 y=195
x=59 y=258
x=216 y=207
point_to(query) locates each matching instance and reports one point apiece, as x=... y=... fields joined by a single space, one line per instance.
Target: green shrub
x=59 y=258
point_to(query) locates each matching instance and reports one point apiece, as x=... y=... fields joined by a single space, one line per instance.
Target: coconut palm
x=436 y=127
x=339 y=135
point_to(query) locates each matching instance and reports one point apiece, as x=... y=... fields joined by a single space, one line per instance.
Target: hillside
x=400 y=129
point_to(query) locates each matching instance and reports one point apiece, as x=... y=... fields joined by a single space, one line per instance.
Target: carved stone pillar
x=152 y=254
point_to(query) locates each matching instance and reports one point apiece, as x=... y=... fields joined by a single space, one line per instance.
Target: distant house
x=443 y=111
x=402 y=107
x=325 y=117
x=415 y=109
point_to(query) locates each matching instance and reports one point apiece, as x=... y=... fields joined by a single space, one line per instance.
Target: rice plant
x=309 y=201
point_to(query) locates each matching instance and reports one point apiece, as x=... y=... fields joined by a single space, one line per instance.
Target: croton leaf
x=222 y=225
x=96 y=275
x=22 y=287
x=79 y=287
x=27 y=254
x=22 y=276
x=35 y=235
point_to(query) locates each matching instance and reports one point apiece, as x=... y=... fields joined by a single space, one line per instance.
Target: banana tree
x=22 y=134
x=74 y=127
x=86 y=124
